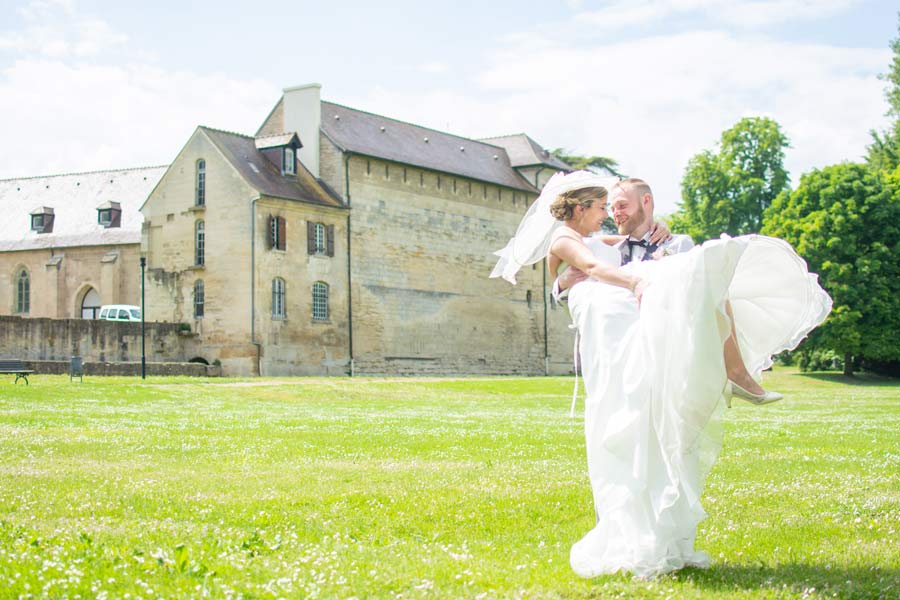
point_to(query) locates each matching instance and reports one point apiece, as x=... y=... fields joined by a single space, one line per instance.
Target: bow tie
x=649 y=249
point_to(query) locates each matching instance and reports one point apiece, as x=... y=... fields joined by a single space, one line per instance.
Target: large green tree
x=884 y=152
x=729 y=190
x=845 y=221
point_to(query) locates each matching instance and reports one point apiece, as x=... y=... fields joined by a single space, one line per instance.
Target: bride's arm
x=576 y=254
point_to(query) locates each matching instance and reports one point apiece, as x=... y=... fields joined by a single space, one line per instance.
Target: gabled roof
x=264 y=176
x=74 y=199
x=525 y=152
x=365 y=133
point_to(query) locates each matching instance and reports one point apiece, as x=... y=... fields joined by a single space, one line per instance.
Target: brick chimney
x=303 y=114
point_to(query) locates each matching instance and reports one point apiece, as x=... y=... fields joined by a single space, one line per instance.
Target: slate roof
x=373 y=135
x=265 y=176
x=74 y=199
x=525 y=152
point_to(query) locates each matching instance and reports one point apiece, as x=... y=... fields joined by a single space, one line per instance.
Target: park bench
x=17 y=367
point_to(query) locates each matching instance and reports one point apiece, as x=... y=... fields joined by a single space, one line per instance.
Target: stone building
x=336 y=240
x=71 y=243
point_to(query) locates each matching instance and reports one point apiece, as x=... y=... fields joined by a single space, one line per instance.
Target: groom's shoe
x=758 y=399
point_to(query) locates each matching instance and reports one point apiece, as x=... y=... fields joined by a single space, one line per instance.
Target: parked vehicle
x=120 y=312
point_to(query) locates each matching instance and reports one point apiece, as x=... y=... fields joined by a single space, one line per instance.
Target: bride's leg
x=734 y=362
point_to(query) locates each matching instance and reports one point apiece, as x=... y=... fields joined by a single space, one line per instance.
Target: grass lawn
x=447 y=488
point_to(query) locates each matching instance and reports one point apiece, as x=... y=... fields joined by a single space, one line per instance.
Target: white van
x=120 y=312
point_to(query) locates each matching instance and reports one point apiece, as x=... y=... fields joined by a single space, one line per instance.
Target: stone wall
x=95 y=341
x=422 y=302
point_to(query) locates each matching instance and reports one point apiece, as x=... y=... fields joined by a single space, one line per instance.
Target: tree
x=884 y=153
x=845 y=221
x=590 y=163
x=728 y=191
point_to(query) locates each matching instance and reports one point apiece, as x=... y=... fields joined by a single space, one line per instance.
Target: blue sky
x=94 y=84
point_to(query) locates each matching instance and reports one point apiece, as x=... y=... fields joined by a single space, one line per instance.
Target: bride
x=654 y=339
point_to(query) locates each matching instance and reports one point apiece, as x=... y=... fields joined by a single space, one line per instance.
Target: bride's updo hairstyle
x=563 y=208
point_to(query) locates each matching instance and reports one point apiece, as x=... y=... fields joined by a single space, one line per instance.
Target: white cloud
x=72 y=104
x=653 y=103
x=736 y=13
x=433 y=68
x=54 y=29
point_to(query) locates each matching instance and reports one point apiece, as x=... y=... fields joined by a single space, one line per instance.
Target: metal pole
x=143 y=346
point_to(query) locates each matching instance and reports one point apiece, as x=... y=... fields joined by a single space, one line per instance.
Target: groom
x=631 y=205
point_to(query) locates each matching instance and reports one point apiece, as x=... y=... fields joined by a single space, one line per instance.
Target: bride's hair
x=563 y=208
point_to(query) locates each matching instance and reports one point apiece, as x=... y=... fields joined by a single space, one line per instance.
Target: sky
x=99 y=84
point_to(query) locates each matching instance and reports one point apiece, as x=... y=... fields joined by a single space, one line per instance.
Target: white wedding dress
x=655 y=378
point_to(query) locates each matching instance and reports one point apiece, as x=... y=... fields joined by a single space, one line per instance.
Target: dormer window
x=280 y=150
x=288 y=164
x=42 y=219
x=109 y=214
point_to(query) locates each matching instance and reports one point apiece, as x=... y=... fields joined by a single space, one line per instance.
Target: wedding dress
x=654 y=379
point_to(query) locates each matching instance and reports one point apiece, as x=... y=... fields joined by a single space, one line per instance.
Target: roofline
x=459 y=137
x=531 y=187
x=84 y=173
x=199 y=129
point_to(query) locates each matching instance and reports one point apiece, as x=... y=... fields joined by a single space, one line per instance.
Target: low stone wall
x=106 y=347
x=59 y=367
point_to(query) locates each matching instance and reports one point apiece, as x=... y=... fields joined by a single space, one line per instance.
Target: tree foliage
x=845 y=221
x=728 y=191
x=579 y=162
x=884 y=152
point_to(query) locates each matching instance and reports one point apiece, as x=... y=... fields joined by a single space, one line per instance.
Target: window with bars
x=200 y=198
x=278 y=297
x=200 y=244
x=199 y=298
x=319 y=238
x=277 y=233
x=23 y=293
x=320 y=301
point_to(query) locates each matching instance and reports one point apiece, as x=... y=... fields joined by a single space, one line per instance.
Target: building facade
x=339 y=241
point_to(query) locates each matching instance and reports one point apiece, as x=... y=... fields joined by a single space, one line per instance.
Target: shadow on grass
x=857 y=582
x=863 y=379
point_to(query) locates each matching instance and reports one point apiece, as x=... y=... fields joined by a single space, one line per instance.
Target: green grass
x=476 y=488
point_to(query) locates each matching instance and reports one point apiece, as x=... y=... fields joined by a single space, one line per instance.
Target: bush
x=820 y=360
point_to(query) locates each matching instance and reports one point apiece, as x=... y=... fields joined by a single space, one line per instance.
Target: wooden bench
x=17 y=367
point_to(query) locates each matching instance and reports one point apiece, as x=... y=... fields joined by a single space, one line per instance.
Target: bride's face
x=593 y=216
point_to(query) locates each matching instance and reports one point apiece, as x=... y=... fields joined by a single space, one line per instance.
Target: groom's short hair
x=640 y=186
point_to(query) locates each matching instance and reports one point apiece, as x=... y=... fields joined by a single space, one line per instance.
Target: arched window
x=199 y=298
x=90 y=305
x=200 y=244
x=278 y=298
x=23 y=293
x=320 y=301
x=200 y=199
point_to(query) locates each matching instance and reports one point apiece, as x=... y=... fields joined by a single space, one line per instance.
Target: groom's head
x=631 y=203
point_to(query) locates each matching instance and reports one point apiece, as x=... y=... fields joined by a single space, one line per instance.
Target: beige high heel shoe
x=734 y=389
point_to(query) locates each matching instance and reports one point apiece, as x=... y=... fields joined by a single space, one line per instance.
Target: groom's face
x=627 y=210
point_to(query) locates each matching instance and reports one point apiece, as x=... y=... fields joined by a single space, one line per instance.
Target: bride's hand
x=570 y=277
x=660 y=233
x=639 y=289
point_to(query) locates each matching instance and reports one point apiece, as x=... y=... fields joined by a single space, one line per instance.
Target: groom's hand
x=660 y=233
x=570 y=277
